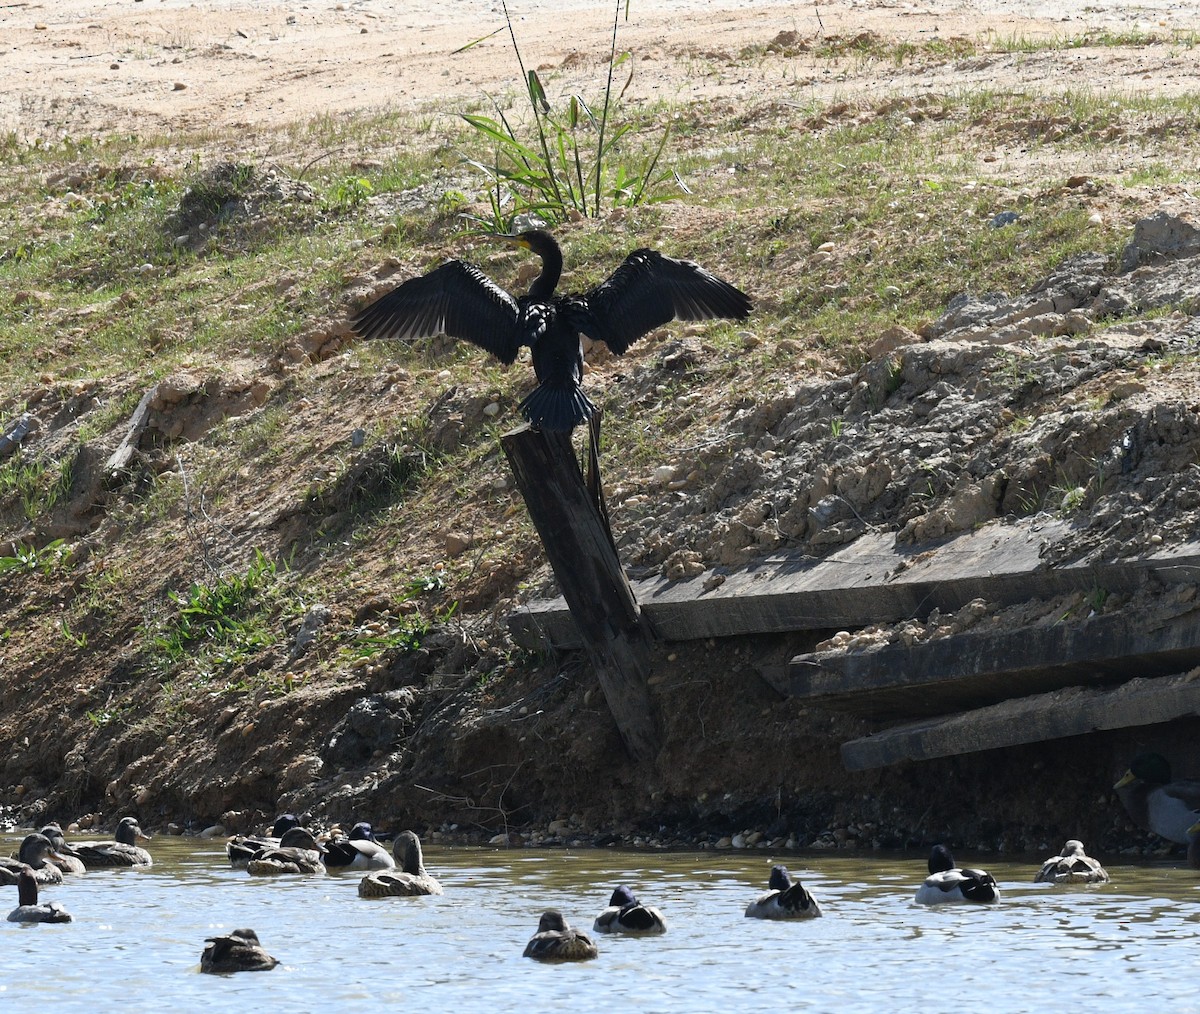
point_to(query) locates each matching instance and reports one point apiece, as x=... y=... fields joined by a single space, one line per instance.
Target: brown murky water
x=138 y=934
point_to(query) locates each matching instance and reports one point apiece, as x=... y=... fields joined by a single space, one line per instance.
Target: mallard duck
x=1155 y=801
x=1071 y=866
x=625 y=914
x=356 y=851
x=62 y=856
x=298 y=852
x=34 y=855
x=241 y=848
x=947 y=884
x=123 y=850
x=28 y=909
x=555 y=940
x=235 y=951
x=409 y=881
x=786 y=899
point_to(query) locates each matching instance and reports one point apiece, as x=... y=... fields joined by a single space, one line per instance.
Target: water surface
x=138 y=934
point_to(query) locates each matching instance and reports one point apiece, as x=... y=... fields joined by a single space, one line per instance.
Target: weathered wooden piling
x=614 y=634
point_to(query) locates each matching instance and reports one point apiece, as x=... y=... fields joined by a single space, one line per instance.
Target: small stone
x=178 y=86
x=457 y=543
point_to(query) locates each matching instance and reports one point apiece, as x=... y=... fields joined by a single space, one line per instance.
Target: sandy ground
x=72 y=68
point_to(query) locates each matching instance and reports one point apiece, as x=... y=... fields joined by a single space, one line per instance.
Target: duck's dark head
x=552 y=921
x=34 y=849
x=26 y=887
x=362 y=831
x=1149 y=767
x=129 y=831
x=940 y=859
x=300 y=838
x=780 y=878
x=622 y=897
x=283 y=824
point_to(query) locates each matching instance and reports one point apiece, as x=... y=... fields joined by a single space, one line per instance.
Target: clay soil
x=468 y=738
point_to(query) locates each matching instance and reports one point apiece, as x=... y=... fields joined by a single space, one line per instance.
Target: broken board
x=980 y=667
x=1073 y=711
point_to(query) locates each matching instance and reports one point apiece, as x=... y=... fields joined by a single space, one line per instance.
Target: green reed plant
x=558 y=171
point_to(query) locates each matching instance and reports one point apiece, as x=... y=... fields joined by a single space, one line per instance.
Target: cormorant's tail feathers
x=557 y=407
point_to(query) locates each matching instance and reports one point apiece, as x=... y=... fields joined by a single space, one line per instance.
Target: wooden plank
x=583 y=558
x=1074 y=711
x=980 y=667
x=872 y=580
x=120 y=458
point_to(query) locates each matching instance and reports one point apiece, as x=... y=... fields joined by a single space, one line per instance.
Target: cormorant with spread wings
x=458 y=299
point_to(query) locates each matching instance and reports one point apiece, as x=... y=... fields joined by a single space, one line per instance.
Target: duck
x=1071 y=866
x=62 y=856
x=241 y=848
x=947 y=884
x=34 y=855
x=1155 y=801
x=28 y=909
x=625 y=914
x=235 y=951
x=298 y=851
x=1193 y=849
x=786 y=899
x=409 y=881
x=556 y=940
x=122 y=851
x=356 y=851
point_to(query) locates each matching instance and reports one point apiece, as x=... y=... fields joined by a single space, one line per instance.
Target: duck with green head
x=1156 y=801
x=411 y=880
x=786 y=899
x=625 y=914
x=947 y=884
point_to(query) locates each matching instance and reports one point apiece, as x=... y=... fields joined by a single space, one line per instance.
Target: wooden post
x=615 y=636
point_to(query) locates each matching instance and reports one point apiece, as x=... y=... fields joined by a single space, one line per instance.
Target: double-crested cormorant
x=458 y=299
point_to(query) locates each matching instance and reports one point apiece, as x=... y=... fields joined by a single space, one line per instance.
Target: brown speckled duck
x=298 y=852
x=235 y=951
x=1071 y=866
x=555 y=940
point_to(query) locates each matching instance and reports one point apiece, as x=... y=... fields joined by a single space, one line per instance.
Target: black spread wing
x=648 y=290
x=455 y=299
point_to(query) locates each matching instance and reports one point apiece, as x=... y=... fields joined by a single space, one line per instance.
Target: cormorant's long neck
x=544 y=285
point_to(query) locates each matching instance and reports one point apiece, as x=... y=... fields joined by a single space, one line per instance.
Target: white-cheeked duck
x=1071 y=866
x=786 y=899
x=409 y=880
x=947 y=884
x=556 y=940
x=122 y=851
x=625 y=914
x=28 y=909
x=298 y=852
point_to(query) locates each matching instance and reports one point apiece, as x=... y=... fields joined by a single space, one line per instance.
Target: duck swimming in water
x=1156 y=801
x=356 y=851
x=62 y=857
x=35 y=855
x=28 y=909
x=646 y=291
x=555 y=940
x=235 y=951
x=122 y=851
x=786 y=899
x=1071 y=866
x=298 y=852
x=409 y=881
x=242 y=848
x=947 y=884
x=625 y=914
